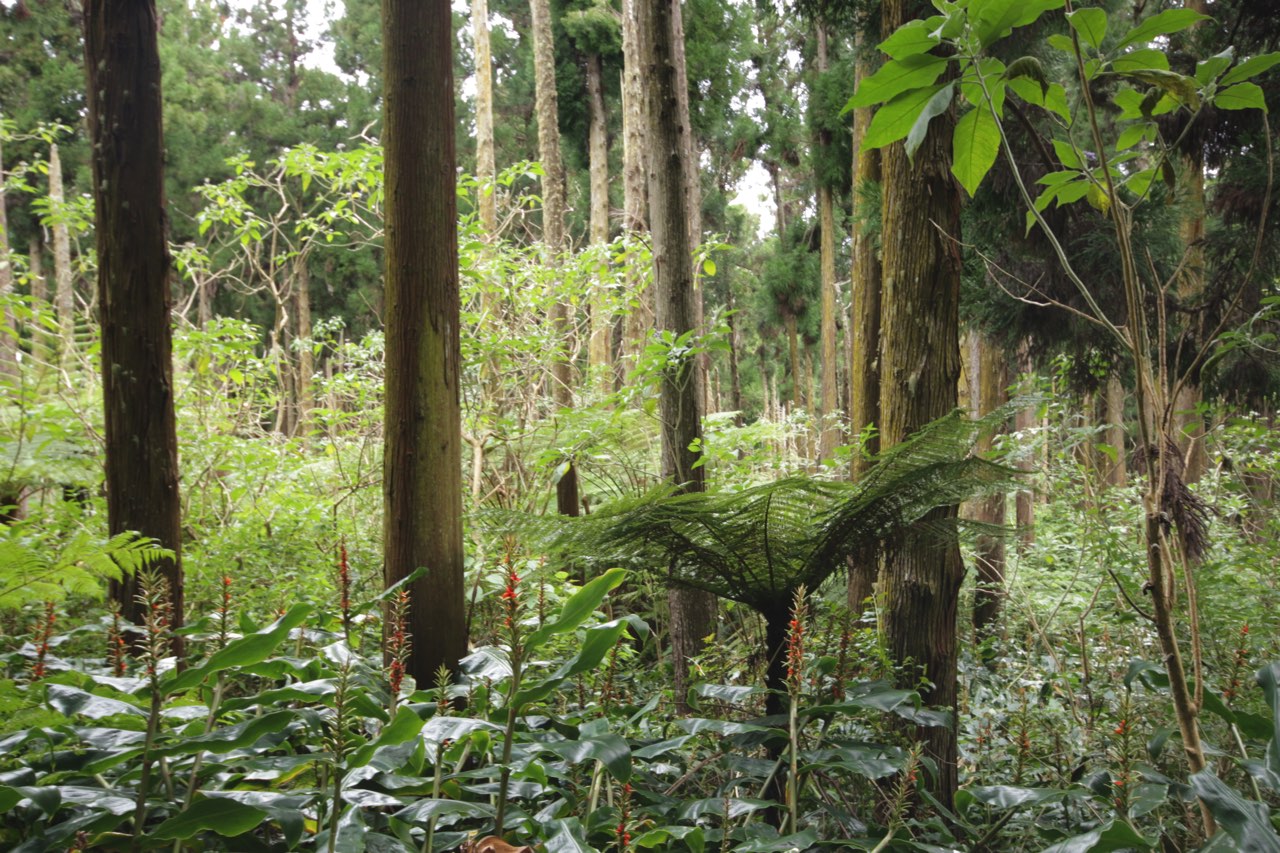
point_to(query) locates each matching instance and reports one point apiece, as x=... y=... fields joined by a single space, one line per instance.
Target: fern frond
x=32 y=571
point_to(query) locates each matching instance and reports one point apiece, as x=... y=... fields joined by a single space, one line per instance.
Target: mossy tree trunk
x=553 y=225
x=693 y=612
x=123 y=68
x=422 y=471
x=921 y=365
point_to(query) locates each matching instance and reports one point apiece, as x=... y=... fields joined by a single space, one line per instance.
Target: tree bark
x=123 y=69
x=553 y=228
x=1117 y=470
x=40 y=343
x=830 y=436
x=422 y=471
x=486 y=162
x=8 y=327
x=692 y=611
x=990 y=381
x=634 y=190
x=600 y=348
x=1025 y=419
x=63 y=293
x=864 y=323
x=921 y=352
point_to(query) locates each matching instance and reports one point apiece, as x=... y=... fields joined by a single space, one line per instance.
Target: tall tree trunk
x=422 y=471
x=921 y=351
x=634 y=179
x=553 y=228
x=735 y=347
x=793 y=349
x=693 y=612
x=830 y=436
x=1186 y=406
x=691 y=170
x=8 y=327
x=41 y=346
x=63 y=294
x=1025 y=419
x=990 y=379
x=486 y=162
x=600 y=349
x=123 y=68
x=1117 y=471
x=864 y=323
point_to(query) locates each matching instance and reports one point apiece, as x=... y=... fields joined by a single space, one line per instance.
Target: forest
x=625 y=425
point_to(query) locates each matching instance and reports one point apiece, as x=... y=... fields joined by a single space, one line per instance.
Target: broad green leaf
x=913 y=37
x=1161 y=24
x=1067 y=154
x=1141 y=59
x=1170 y=82
x=1133 y=134
x=1012 y=796
x=897 y=76
x=579 y=607
x=425 y=809
x=1247 y=822
x=1062 y=43
x=1090 y=25
x=405 y=726
x=1208 y=70
x=936 y=106
x=659 y=836
x=653 y=750
x=568 y=837
x=993 y=71
x=1096 y=196
x=599 y=640
x=992 y=19
x=245 y=651
x=72 y=701
x=1241 y=96
x=691 y=810
x=227 y=738
x=225 y=817
x=709 y=267
x=9 y=798
x=803 y=840
x=609 y=749
x=1117 y=835
x=894 y=120
x=1251 y=67
x=975 y=146
x=1054 y=100
x=1030 y=68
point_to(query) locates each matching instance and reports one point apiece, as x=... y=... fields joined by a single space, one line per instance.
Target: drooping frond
x=34 y=571
x=757 y=545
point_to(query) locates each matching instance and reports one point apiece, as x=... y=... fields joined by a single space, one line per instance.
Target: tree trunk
x=990 y=381
x=486 y=162
x=830 y=435
x=921 y=352
x=422 y=471
x=8 y=327
x=600 y=349
x=693 y=612
x=1024 y=420
x=41 y=346
x=123 y=68
x=63 y=294
x=553 y=229
x=793 y=349
x=634 y=190
x=735 y=345
x=1117 y=470
x=864 y=322
x=1190 y=286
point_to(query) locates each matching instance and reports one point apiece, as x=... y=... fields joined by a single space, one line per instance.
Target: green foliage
x=34 y=569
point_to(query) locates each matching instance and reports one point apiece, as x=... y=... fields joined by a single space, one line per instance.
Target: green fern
x=31 y=571
x=758 y=545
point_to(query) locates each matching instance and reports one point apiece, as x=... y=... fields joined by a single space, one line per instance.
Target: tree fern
x=31 y=570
